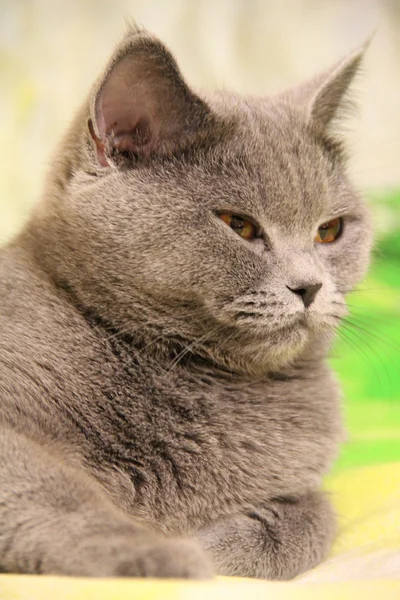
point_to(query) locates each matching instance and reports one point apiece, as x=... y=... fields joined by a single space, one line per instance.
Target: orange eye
x=246 y=229
x=329 y=232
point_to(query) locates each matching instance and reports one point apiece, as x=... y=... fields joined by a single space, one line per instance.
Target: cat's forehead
x=273 y=165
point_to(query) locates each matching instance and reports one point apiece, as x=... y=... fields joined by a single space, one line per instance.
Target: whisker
x=127 y=330
x=192 y=345
x=357 y=334
x=373 y=336
x=362 y=290
x=353 y=343
x=383 y=319
x=354 y=307
x=378 y=321
x=152 y=342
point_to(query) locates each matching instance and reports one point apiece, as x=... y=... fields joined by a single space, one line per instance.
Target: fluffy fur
x=159 y=381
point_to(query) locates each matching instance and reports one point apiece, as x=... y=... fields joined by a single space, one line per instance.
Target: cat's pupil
x=237 y=223
x=323 y=232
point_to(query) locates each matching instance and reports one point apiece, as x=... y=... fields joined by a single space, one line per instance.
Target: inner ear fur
x=142 y=104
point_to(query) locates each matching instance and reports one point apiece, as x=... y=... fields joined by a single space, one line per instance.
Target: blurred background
x=52 y=50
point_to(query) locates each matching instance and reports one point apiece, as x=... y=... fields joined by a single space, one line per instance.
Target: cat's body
x=145 y=391
x=213 y=442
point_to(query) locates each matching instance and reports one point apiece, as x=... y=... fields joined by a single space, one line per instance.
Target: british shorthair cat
x=166 y=406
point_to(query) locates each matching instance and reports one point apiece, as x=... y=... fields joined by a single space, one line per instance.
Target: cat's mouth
x=272 y=335
x=260 y=340
x=282 y=339
x=284 y=322
x=260 y=324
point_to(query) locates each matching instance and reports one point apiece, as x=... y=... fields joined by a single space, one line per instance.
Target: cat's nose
x=307 y=292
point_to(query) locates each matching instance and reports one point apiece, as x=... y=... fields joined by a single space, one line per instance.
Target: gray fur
x=158 y=380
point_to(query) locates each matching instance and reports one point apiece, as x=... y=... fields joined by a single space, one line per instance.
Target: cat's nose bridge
x=301 y=272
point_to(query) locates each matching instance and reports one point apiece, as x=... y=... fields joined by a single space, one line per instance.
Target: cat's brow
x=338 y=210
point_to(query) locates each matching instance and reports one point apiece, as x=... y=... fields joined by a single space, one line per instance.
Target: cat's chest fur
x=191 y=446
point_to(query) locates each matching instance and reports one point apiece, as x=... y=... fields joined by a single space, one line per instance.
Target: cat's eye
x=240 y=225
x=329 y=232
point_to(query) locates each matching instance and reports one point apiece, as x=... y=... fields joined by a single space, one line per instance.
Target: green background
x=367 y=353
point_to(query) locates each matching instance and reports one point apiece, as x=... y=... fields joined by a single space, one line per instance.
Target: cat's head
x=221 y=223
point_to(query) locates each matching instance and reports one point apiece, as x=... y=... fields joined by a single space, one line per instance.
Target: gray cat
x=166 y=407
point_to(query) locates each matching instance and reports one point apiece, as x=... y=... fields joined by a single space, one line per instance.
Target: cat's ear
x=142 y=105
x=325 y=97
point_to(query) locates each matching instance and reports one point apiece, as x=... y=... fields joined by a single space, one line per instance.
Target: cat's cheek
x=347 y=259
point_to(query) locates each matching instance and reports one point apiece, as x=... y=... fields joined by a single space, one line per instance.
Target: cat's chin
x=264 y=350
x=284 y=346
x=267 y=351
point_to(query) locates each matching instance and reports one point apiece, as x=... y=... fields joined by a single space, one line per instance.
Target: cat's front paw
x=277 y=540
x=133 y=556
x=171 y=558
